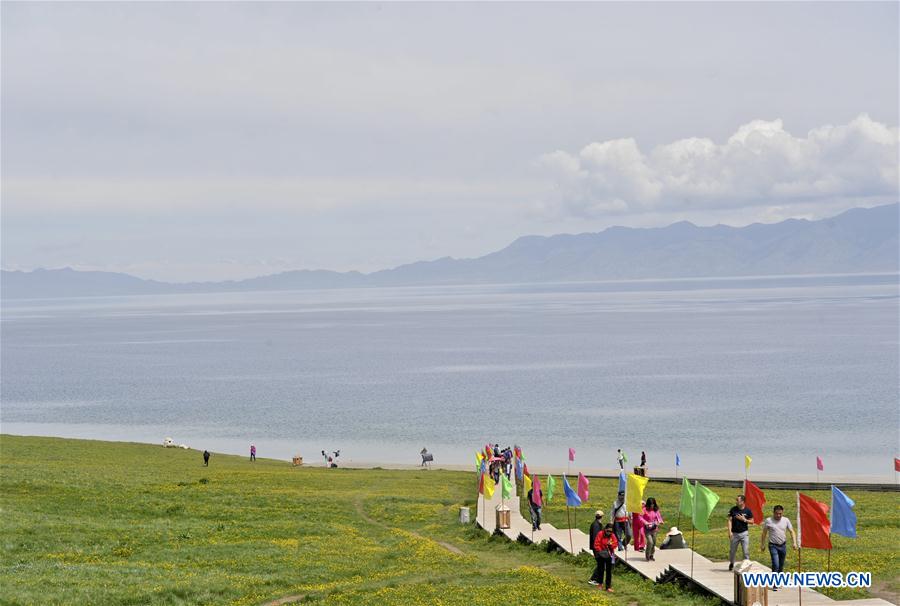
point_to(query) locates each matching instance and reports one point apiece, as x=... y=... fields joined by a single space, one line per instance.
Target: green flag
x=687 y=498
x=704 y=502
x=551 y=487
x=507 y=487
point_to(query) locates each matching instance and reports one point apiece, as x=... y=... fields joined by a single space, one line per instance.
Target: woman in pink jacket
x=651 y=520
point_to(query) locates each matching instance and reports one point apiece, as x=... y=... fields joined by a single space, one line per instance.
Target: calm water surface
x=782 y=369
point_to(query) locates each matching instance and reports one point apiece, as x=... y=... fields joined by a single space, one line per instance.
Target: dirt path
x=358 y=504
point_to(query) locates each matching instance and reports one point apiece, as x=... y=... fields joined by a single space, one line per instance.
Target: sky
x=209 y=141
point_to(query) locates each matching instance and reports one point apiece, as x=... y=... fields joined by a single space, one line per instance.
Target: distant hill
x=859 y=240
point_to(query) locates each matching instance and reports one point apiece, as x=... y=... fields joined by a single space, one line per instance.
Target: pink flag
x=571 y=454
x=536 y=497
x=819 y=464
x=583 y=487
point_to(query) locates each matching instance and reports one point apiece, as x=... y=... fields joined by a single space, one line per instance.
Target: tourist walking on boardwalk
x=776 y=529
x=637 y=528
x=206 y=458
x=535 y=508
x=643 y=460
x=651 y=521
x=596 y=528
x=738 y=517
x=604 y=544
x=620 y=459
x=253 y=452
x=621 y=525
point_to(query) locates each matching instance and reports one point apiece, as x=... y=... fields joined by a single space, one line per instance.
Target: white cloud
x=760 y=164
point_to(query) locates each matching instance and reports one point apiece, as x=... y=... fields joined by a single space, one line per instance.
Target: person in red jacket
x=604 y=550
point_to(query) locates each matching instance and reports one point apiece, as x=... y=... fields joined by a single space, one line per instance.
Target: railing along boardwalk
x=670 y=564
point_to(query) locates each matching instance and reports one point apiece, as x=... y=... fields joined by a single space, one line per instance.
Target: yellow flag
x=747 y=461
x=634 y=492
x=489 y=486
x=527 y=482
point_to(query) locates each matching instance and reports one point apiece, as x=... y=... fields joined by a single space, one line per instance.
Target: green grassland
x=86 y=522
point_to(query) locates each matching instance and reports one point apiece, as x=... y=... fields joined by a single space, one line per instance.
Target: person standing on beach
x=620 y=522
x=643 y=460
x=738 y=518
x=596 y=528
x=535 y=509
x=253 y=452
x=620 y=459
x=604 y=544
x=206 y=458
x=776 y=528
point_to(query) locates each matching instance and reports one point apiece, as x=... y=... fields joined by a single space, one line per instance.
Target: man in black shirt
x=596 y=528
x=535 y=508
x=738 y=517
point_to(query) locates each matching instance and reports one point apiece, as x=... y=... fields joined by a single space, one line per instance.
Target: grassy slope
x=112 y=523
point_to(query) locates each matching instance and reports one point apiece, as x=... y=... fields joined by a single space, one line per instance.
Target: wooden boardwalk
x=670 y=564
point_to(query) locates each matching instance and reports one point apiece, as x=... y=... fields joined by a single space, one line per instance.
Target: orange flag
x=812 y=523
x=755 y=500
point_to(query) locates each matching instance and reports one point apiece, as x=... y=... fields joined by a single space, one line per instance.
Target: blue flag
x=677 y=460
x=572 y=498
x=843 y=519
x=519 y=468
x=622 y=481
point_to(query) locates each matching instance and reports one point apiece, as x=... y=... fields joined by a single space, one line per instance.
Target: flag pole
x=571 y=545
x=828 y=566
x=799 y=548
x=692 y=551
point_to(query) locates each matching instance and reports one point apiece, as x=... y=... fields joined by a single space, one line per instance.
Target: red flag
x=755 y=499
x=813 y=525
x=525 y=470
x=819 y=464
x=896 y=464
x=536 y=496
x=481 y=483
x=571 y=454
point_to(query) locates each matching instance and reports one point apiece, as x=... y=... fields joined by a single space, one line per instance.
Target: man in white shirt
x=776 y=529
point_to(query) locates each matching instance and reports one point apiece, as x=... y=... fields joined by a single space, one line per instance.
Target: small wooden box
x=503 y=518
x=298 y=461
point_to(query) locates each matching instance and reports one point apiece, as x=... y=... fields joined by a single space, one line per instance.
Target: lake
x=783 y=369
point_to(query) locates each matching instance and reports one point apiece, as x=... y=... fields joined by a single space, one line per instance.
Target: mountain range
x=859 y=240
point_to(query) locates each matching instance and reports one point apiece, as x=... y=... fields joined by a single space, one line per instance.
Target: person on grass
x=206 y=458
x=738 y=518
x=605 y=545
x=776 y=529
x=253 y=452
